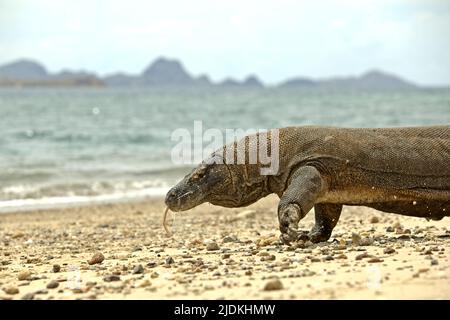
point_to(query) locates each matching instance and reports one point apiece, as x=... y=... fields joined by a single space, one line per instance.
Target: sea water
x=82 y=145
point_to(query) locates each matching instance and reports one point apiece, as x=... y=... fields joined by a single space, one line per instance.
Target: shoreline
x=218 y=253
x=21 y=205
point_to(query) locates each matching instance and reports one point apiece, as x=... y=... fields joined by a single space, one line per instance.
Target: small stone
x=11 y=290
x=366 y=241
x=230 y=239
x=389 y=250
x=97 y=258
x=374 y=220
x=248 y=273
x=145 y=283
x=375 y=260
x=111 y=278
x=41 y=291
x=389 y=229
x=267 y=240
x=269 y=257
x=356 y=239
x=170 y=260
x=212 y=246
x=24 y=275
x=56 y=268
x=434 y=262
x=362 y=256
x=138 y=269
x=18 y=235
x=328 y=258
x=273 y=285
x=28 y=296
x=53 y=284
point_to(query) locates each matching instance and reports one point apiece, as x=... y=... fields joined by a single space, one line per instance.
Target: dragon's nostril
x=170 y=197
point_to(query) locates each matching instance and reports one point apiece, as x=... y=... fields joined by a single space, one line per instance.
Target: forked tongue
x=166 y=227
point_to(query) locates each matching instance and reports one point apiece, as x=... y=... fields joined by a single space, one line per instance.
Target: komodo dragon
x=397 y=170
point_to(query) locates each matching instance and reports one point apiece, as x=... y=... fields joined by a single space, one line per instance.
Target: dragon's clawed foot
x=288 y=217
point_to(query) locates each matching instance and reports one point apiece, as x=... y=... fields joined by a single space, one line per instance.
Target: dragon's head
x=213 y=181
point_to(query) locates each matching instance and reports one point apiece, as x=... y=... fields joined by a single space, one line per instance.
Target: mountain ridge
x=165 y=72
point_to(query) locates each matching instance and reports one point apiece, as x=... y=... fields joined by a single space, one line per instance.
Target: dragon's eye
x=200 y=173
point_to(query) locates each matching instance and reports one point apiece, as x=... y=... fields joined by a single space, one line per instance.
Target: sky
x=275 y=39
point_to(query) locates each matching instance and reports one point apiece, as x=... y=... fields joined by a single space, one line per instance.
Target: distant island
x=165 y=72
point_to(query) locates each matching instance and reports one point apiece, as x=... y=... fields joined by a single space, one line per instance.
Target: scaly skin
x=396 y=170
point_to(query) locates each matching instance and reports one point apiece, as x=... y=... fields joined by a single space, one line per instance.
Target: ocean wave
x=74 y=189
x=26 y=196
x=27 y=204
x=88 y=138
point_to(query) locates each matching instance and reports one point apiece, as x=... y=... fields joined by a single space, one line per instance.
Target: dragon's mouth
x=182 y=201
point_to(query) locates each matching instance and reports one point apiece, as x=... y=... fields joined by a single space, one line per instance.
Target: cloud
x=272 y=38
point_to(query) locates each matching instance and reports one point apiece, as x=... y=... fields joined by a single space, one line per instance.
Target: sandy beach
x=121 y=251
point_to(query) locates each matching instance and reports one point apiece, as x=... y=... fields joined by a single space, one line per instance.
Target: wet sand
x=121 y=251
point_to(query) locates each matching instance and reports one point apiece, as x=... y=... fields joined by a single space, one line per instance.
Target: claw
x=284 y=238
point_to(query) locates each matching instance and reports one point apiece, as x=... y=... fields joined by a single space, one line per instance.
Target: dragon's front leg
x=305 y=186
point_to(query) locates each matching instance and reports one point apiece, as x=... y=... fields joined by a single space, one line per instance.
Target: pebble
x=24 y=275
x=434 y=262
x=145 y=283
x=374 y=220
x=389 y=250
x=366 y=241
x=269 y=257
x=28 y=296
x=389 y=229
x=138 y=269
x=111 y=278
x=56 y=268
x=212 y=246
x=97 y=258
x=362 y=256
x=53 y=284
x=11 y=290
x=356 y=239
x=273 y=285
x=375 y=260
x=170 y=260
x=230 y=239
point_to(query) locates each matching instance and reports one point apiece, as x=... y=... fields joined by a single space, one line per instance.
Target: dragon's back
x=413 y=157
